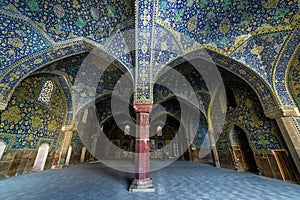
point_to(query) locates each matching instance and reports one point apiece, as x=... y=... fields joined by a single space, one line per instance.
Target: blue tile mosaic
x=294 y=78
x=263 y=133
x=63 y=20
x=260 y=53
x=223 y=23
x=26 y=122
x=280 y=84
x=18 y=40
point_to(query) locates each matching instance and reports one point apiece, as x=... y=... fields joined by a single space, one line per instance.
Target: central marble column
x=142 y=181
x=143 y=97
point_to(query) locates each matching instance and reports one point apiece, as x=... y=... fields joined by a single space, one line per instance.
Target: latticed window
x=45 y=95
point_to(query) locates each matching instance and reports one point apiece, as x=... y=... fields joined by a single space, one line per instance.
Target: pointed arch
x=265 y=93
x=22 y=69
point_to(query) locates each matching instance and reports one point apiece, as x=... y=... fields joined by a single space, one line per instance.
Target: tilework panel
x=26 y=122
x=260 y=86
x=68 y=66
x=263 y=133
x=281 y=70
x=229 y=77
x=76 y=142
x=200 y=136
x=120 y=49
x=171 y=85
x=11 y=79
x=109 y=80
x=63 y=20
x=297 y=123
x=294 y=78
x=222 y=24
x=66 y=71
x=68 y=97
x=144 y=54
x=129 y=35
x=166 y=48
x=260 y=52
x=18 y=40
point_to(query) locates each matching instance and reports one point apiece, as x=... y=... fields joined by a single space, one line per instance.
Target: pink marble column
x=142 y=181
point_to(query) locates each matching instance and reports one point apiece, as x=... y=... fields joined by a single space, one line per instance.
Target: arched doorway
x=41 y=157
x=242 y=153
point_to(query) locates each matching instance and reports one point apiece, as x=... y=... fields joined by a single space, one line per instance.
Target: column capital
x=283 y=112
x=143 y=107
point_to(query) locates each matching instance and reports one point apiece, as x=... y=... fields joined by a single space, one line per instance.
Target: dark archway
x=242 y=153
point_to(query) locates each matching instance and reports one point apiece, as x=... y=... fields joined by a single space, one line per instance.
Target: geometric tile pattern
x=120 y=49
x=165 y=49
x=297 y=122
x=67 y=67
x=223 y=24
x=260 y=86
x=169 y=85
x=164 y=31
x=67 y=70
x=26 y=122
x=18 y=40
x=260 y=53
x=200 y=136
x=61 y=20
x=18 y=72
x=144 y=49
x=263 y=133
x=76 y=142
x=68 y=97
x=289 y=56
x=293 y=78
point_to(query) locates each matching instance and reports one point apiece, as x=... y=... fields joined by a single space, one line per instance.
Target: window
x=45 y=95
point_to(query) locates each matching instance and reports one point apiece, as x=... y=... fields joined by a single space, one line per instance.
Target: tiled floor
x=181 y=180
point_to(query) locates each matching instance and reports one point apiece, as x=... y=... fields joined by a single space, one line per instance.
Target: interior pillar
x=82 y=157
x=291 y=134
x=213 y=147
x=94 y=144
x=142 y=181
x=69 y=153
x=66 y=141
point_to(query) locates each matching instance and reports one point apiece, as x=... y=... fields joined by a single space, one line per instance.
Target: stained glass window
x=45 y=95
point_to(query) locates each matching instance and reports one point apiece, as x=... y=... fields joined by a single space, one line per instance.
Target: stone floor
x=181 y=180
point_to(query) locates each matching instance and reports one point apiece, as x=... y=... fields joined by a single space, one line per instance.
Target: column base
x=57 y=166
x=142 y=186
